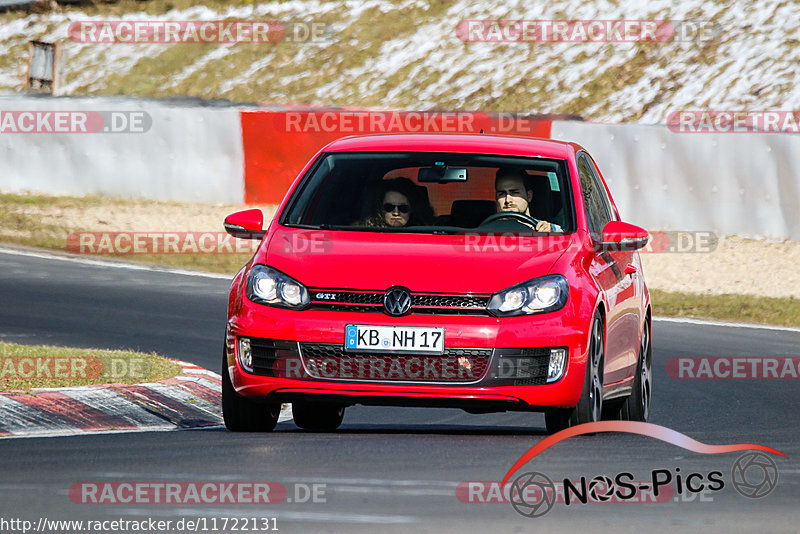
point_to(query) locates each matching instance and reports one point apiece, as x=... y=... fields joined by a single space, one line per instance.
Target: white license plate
x=394 y=338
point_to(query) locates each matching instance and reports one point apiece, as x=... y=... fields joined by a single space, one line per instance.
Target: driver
x=512 y=195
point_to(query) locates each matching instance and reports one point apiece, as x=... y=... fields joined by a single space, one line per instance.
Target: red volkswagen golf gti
x=487 y=273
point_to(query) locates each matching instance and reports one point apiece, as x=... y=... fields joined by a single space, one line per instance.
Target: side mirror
x=618 y=235
x=247 y=224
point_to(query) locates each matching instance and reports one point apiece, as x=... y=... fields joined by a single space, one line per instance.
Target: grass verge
x=739 y=308
x=23 y=367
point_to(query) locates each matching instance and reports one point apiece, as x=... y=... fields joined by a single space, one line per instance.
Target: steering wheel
x=521 y=217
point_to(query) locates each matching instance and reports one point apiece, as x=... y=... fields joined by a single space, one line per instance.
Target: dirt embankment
x=737 y=265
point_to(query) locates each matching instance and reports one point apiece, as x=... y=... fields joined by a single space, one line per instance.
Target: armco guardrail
x=746 y=184
x=141 y=149
x=733 y=184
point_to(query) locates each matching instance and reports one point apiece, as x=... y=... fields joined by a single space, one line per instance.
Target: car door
x=608 y=269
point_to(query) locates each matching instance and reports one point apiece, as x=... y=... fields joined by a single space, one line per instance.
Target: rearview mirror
x=442 y=174
x=247 y=224
x=618 y=235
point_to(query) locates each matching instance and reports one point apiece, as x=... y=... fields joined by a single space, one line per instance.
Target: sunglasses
x=402 y=208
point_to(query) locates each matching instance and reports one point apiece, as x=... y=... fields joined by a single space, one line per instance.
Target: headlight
x=540 y=295
x=269 y=286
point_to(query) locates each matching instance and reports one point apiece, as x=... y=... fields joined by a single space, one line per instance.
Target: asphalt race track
x=386 y=469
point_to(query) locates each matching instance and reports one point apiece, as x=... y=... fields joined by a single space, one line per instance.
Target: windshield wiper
x=312 y=226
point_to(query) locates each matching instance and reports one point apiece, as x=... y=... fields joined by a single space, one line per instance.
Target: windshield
x=433 y=193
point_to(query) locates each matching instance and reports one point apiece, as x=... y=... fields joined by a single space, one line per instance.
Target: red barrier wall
x=277 y=144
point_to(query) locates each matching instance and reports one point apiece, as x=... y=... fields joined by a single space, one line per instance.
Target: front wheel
x=590 y=405
x=242 y=414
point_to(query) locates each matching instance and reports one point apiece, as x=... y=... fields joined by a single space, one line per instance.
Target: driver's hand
x=543 y=226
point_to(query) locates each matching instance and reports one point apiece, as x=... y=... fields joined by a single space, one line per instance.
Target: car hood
x=421 y=262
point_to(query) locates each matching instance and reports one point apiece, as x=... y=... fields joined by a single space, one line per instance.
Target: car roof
x=459 y=143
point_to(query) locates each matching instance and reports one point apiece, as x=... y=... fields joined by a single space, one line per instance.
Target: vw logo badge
x=397 y=301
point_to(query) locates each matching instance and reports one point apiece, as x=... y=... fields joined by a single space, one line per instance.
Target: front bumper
x=474 y=373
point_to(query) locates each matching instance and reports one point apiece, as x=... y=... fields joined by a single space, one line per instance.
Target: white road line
x=705 y=322
x=70 y=433
x=112 y=264
x=381 y=482
x=336 y=517
x=406 y=492
x=199 y=371
x=209 y=384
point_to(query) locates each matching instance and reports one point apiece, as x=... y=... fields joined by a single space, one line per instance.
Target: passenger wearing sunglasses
x=399 y=204
x=396 y=208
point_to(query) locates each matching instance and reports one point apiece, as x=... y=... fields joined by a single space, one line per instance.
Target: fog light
x=245 y=354
x=558 y=361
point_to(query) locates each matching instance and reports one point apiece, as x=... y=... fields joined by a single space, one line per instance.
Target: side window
x=596 y=212
x=603 y=193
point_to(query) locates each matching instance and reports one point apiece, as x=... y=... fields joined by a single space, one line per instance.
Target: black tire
x=242 y=414
x=590 y=405
x=317 y=416
x=636 y=406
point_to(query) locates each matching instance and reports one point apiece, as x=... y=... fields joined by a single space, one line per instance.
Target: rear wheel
x=637 y=406
x=590 y=405
x=317 y=416
x=242 y=414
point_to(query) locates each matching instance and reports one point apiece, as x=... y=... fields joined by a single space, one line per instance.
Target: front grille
x=422 y=303
x=449 y=301
x=267 y=351
x=537 y=362
x=457 y=365
x=536 y=352
x=347 y=297
x=525 y=366
x=448 y=311
x=346 y=308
